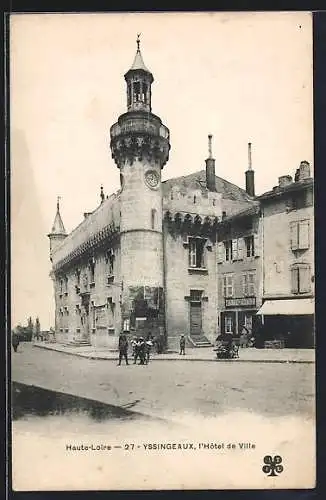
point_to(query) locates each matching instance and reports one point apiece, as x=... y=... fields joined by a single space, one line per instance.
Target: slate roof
x=58 y=227
x=139 y=63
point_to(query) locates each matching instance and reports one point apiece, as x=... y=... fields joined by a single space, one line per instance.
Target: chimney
x=250 y=175
x=303 y=172
x=210 y=168
x=284 y=181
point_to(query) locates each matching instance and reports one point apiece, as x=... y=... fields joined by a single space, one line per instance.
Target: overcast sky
x=243 y=77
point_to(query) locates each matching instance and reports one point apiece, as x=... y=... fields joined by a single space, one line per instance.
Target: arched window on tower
x=144 y=92
x=136 y=91
x=153 y=218
x=129 y=94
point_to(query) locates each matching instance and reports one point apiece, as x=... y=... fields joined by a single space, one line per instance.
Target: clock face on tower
x=151 y=178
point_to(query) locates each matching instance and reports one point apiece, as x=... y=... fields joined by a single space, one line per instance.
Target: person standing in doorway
x=182 y=345
x=123 y=349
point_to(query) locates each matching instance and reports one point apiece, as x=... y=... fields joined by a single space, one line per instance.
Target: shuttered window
x=299 y=235
x=303 y=234
x=240 y=243
x=301 y=278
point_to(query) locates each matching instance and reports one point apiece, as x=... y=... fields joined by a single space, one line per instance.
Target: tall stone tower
x=140 y=148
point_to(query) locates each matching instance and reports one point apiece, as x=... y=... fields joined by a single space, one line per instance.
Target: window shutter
x=240 y=248
x=224 y=287
x=220 y=252
x=256 y=249
x=304 y=280
x=303 y=234
x=294 y=235
x=229 y=286
x=222 y=322
x=294 y=280
x=234 y=249
x=251 y=284
x=244 y=284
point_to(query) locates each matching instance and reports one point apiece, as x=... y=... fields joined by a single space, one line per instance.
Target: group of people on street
x=141 y=349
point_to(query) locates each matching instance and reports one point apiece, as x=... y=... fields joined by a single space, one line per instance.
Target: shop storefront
x=239 y=312
x=290 y=321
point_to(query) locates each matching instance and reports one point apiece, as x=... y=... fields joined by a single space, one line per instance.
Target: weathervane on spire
x=58 y=201
x=138 y=40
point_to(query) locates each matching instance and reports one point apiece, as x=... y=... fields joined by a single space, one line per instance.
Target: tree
x=29 y=329
x=37 y=328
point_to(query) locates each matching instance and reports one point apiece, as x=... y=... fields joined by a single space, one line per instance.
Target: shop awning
x=287 y=307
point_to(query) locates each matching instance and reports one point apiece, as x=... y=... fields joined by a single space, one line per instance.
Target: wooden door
x=195 y=318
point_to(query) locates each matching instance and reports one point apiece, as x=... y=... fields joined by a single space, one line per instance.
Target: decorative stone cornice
x=139 y=136
x=107 y=234
x=186 y=222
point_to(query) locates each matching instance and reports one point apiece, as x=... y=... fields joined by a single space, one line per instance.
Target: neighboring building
x=288 y=259
x=145 y=259
x=239 y=271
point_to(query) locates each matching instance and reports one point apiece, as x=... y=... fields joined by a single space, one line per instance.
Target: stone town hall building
x=146 y=259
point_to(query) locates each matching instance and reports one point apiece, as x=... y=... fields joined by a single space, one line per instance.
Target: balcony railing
x=140 y=126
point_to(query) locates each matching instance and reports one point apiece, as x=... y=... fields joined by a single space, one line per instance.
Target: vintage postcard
x=162 y=251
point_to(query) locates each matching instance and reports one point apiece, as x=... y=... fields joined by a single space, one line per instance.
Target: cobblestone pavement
x=198 y=388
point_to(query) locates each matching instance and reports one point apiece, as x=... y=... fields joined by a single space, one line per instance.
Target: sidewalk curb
x=238 y=360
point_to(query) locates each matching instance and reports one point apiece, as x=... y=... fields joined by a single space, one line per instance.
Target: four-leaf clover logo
x=272 y=465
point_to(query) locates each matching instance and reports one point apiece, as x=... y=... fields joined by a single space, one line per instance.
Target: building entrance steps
x=199 y=341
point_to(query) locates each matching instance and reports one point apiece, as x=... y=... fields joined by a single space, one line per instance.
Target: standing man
x=182 y=344
x=123 y=348
x=15 y=341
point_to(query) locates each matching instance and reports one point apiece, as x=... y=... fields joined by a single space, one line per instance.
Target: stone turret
x=58 y=232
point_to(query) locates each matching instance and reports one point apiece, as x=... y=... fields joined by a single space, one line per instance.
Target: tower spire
x=58 y=227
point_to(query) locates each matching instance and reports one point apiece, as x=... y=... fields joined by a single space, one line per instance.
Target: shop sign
x=240 y=302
